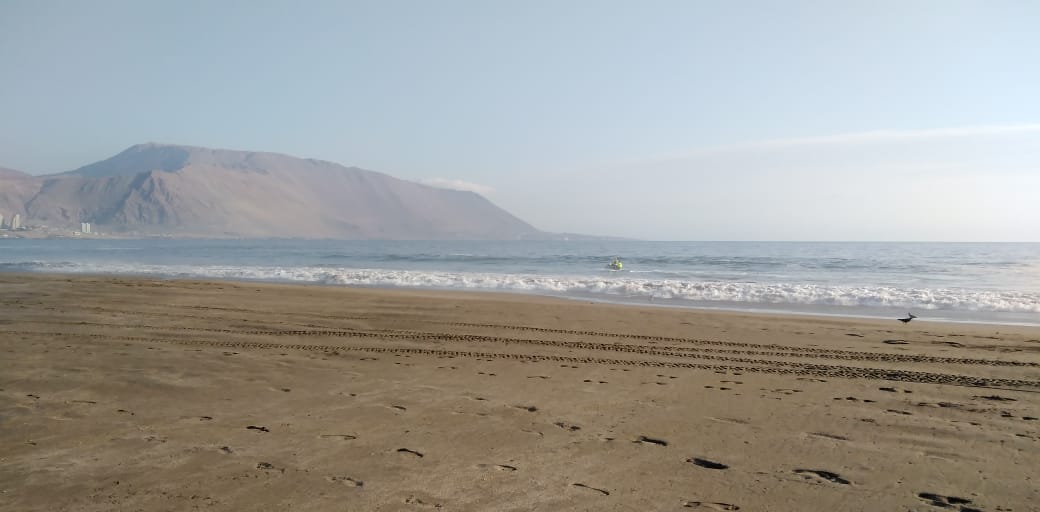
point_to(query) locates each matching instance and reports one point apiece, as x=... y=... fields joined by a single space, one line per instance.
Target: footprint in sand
x=705 y=463
x=479 y=414
x=413 y=500
x=996 y=398
x=948 y=502
x=267 y=466
x=944 y=405
x=895 y=342
x=342 y=437
x=528 y=408
x=895 y=390
x=500 y=467
x=710 y=505
x=817 y=474
x=583 y=486
x=650 y=440
x=565 y=426
x=854 y=399
x=345 y=480
x=410 y=452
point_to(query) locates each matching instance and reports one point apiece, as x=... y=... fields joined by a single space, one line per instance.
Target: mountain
x=193 y=191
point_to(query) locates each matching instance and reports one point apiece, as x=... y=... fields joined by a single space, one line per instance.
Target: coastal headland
x=124 y=393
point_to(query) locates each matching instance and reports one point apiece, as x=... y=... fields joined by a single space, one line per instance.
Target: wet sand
x=137 y=394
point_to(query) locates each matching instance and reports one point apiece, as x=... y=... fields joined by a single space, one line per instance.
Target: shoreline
x=505 y=297
x=774 y=309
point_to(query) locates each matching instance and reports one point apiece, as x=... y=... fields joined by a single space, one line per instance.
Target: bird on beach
x=909 y=317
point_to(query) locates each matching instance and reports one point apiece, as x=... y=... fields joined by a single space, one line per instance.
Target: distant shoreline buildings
x=15 y=224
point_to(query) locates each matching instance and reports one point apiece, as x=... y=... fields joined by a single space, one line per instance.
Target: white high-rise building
x=1 y=221
x=16 y=222
x=84 y=227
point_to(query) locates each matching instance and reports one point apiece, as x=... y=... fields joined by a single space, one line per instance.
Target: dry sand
x=131 y=394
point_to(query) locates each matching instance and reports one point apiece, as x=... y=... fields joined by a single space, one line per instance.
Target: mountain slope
x=15 y=189
x=155 y=188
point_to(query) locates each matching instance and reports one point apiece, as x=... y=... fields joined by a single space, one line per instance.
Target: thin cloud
x=851 y=139
x=458 y=185
x=892 y=136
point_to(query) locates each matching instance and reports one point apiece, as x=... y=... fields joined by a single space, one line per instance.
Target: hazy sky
x=702 y=120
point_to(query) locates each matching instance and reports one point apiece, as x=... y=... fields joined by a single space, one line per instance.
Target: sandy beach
x=138 y=394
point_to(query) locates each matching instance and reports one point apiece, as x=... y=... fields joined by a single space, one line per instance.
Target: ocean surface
x=965 y=282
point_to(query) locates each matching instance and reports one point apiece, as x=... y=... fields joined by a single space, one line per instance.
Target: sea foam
x=613 y=287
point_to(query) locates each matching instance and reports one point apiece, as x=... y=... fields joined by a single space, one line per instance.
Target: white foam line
x=614 y=288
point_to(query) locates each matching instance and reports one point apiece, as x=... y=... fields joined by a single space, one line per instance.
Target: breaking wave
x=606 y=288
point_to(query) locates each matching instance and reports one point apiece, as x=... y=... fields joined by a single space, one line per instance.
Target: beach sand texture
x=137 y=394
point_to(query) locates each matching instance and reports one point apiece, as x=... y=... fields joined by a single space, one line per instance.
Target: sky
x=665 y=120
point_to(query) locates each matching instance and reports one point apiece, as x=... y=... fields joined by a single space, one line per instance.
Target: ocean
x=959 y=282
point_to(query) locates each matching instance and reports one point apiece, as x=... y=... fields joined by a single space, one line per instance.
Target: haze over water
x=973 y=282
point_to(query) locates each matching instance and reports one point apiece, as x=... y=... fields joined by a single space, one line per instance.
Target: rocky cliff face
x=153 y=188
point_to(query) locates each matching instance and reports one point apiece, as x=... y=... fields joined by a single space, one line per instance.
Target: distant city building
x=1 y=221
x=84 y=227
x=16 y=222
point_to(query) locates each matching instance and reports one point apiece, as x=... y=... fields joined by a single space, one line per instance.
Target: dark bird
x=909 y=317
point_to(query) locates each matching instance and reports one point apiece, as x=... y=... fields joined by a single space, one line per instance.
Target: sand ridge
x=165 y=394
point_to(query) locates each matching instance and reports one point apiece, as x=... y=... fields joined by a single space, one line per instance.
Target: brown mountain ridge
x=194 y=191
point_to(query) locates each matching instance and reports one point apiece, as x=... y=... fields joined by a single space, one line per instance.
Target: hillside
x=16 y=188
x=192 y=191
